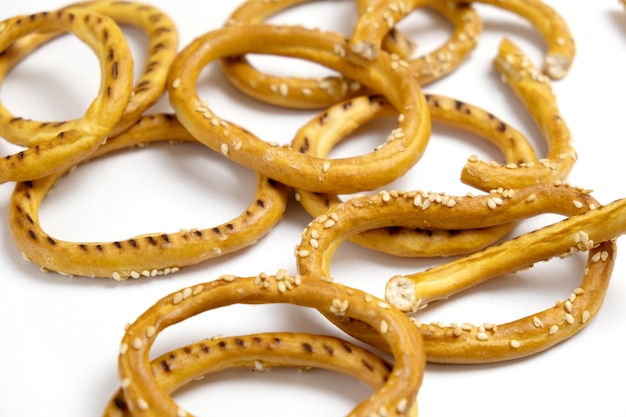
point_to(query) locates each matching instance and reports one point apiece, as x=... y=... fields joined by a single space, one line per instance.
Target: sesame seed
x=176 y=83
x=515 y=344
x=384 y=327
x=531 y=198
x=224 y=148
x=181 y=413
x=178 y=297
x=116 y=276
x=150 y=331
x=467 y=326
x=554 y=329
x=228 y=277
x=402 y=405
x=537 y=322
x=303 y=253
x=142 y=404
x=125 y=383
x=482 y=336
x=569 y=318
x=123 y=348
x=586 y=316
x=137 y=343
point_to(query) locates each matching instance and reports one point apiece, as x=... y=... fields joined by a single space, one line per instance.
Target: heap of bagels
x=377 y=74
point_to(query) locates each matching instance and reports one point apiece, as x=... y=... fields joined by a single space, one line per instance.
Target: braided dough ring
x=260 y=352
x=285 y=164
x=512 y=340
x=560 y=44
x=318 y=138
x=70 y=146
x=395 y=398
x=149 y=87
x=320 y=93
x=536 y=95
x=147 y=255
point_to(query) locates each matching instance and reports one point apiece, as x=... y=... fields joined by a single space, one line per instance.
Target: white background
x=59 y=336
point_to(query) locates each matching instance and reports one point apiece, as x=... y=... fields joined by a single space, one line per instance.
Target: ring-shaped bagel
x=395 y=398
x=370 y=29
x=147 y=255
x=64 y=149
x=560 y=45
x=262 y=351
x=297 y=92
x=377 y=18
x=258 y=11
x=594 y=231
x=317 y=139
x=587 y=224
x=149 y=86
x=534 y=91
x=403 y=148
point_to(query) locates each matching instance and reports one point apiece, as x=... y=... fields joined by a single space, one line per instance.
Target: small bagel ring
x=561 y=49
x=149 y=87
x=560 y=44
x=320 y=93
x=148 y=255
x=378 y=17
x=284 y=164
x=325 y=234
x=535 y=93
x=57 y=152
x=536 y=332
x=317 y=139
x=262 y=351
x=395 y=398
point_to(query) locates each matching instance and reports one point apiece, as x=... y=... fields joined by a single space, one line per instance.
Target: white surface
x=59 y=336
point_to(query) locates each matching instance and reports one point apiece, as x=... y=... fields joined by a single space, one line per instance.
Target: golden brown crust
x=584 y=230
x=262 y=351
x=396 y=397
x=64 y=149
x=147 y=255
x=429 y=210
x=316 y=93
x=559 y=40
x=149 y=87
x=285 y=164
x=377 y=17
x=536 y=332
x=317 y=139
x=535 y=93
